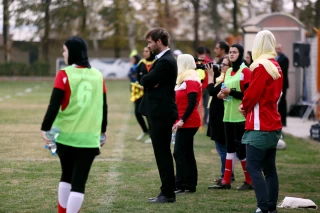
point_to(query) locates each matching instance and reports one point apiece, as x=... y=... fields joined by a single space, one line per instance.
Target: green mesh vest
x=231 y=112
x=80 y=123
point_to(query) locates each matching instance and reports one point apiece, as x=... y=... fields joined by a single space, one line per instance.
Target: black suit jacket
x=284 y=64
x=159 y=83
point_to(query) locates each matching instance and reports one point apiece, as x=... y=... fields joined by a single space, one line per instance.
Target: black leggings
x=186 y=165
x=75 y=165
x=139 y=117
x=234 y=133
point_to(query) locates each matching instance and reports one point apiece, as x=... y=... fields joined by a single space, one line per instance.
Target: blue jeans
x=222 y=151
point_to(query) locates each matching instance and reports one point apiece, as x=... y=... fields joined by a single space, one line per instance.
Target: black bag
x=315 y=132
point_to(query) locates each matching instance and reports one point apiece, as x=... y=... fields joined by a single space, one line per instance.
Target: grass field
x=125 y=174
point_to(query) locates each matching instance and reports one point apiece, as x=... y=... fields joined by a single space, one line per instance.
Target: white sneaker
x=148 y=140
x=141 y=136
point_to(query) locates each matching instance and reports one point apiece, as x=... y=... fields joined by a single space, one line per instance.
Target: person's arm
x=57 y=96
x=104 y=110
x=157 y=73
x=192 y=101
x=244 y=84
x=238 y=94
x=256 y=88
x=213 y=90
x=53 y=109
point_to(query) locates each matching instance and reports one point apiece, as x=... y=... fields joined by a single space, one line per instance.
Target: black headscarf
x=236 y=65
x=78 y=51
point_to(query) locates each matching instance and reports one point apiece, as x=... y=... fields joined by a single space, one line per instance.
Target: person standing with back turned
x=263 y=123
x=283 y=62
x=158 y=103
x=78 y=108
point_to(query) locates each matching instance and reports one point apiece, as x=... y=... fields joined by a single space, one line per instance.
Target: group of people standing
x=243 y=118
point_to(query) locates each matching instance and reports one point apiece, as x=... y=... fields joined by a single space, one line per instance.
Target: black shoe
x=220 y=185
x=152 y=198
x=163 y=199
x=245 y=186
x=274 y=211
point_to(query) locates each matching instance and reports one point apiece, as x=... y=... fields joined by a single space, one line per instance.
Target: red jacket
x=261 y=99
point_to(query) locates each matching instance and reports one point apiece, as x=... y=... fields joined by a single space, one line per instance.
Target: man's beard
x=156 y=51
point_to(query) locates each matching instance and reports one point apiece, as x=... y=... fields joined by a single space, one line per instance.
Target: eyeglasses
x=225 y=65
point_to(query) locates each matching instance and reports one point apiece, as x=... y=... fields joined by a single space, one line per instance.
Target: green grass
x=125 y=174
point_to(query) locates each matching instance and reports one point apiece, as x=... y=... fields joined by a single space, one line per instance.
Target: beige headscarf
x=264 y=49
x=186 y=69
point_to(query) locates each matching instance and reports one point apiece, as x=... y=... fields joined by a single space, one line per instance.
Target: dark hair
x=227 y=57
x=152 y=57
x=78 y=51
x=159 y=33
x=250 y=54
x=224 y=46
x=201 y=50
x=136 y=58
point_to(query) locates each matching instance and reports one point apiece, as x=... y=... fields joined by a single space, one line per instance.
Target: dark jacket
x=216 y=112
x=141 y=71
x=159 y=98
x=284 y=64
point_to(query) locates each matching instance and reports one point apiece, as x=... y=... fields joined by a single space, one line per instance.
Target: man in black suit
x=158 y=104
x=283 y=61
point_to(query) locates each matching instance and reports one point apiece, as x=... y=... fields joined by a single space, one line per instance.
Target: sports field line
x=113 y=174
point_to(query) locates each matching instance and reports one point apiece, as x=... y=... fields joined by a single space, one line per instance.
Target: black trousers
x=282 y=107
x=186 y=165
x=139 y=117
x=160 y=133
x=265 y=187
x=234 y=133
x=75 y=165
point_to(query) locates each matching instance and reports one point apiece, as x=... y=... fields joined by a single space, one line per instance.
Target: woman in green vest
x=78 y=109
x=236 y=81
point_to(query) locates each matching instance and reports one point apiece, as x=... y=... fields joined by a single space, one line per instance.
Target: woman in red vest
x=188 y=94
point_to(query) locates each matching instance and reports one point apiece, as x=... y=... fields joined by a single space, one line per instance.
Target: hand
x=105 y=139
x=44 y=137
x=209 y=69
x=155 y=86
x=226 y=91
x=243 y=112
x=221 y=95
x=177 y=126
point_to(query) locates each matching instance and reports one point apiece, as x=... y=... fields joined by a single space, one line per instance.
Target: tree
x=45 y=38
x=83 y=17
x=317 y=14
x=215 y=17
x=196 y=7
x=6 y=30
x=295 y=9
x=235 y=18
x=276 y=5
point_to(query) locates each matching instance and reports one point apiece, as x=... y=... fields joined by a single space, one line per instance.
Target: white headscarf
x=263 y=49
x=186 y=69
